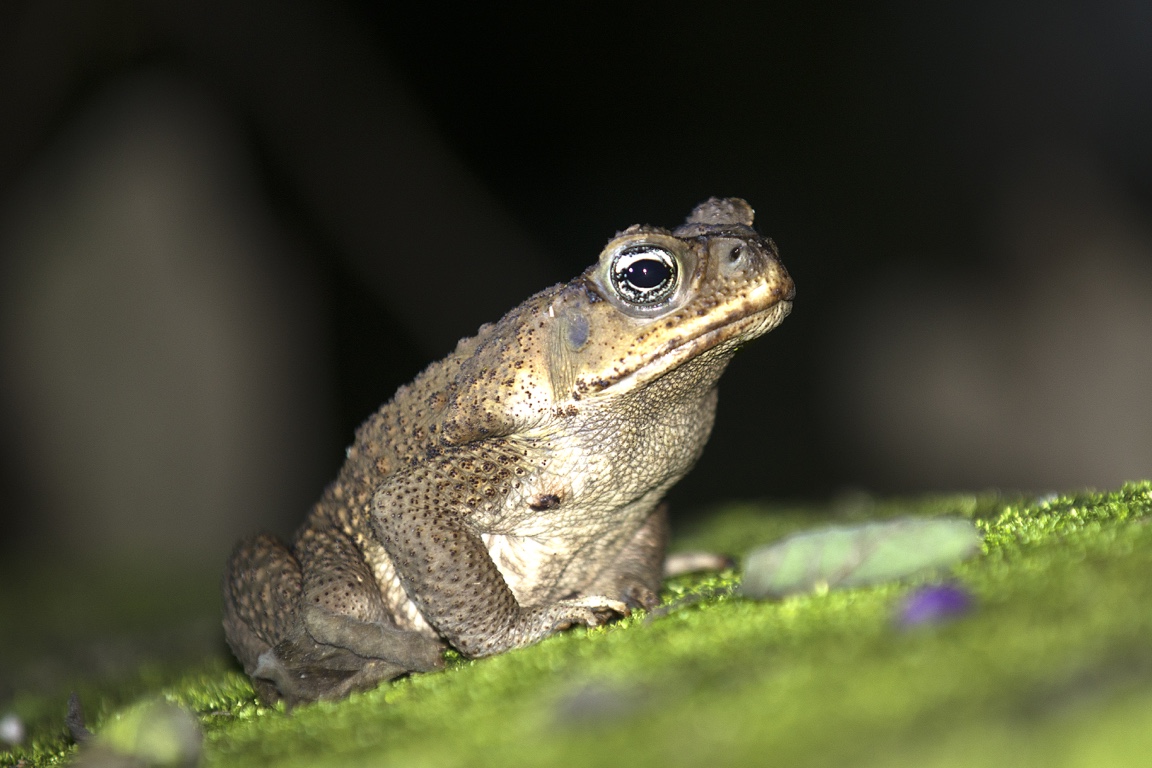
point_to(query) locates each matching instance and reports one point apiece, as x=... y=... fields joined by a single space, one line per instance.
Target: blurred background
x=229 y=230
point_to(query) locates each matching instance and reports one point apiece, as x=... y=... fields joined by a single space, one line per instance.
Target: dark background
x=230 y=230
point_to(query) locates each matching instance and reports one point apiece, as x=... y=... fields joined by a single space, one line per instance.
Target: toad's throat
x=742 y=326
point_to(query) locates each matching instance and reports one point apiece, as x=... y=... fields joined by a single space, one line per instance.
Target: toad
x=514 y=488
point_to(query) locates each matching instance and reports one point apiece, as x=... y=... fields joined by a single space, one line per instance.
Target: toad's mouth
x=736 y=327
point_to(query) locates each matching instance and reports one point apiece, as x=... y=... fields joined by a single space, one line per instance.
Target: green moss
x=1053 y=667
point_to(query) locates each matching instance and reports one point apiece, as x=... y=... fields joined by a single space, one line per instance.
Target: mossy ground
x=1052 y=667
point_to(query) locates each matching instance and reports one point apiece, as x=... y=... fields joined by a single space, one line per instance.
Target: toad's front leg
x=447 y=572
x=637 y=572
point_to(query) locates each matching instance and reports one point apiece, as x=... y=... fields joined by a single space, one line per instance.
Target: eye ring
x=645 y=275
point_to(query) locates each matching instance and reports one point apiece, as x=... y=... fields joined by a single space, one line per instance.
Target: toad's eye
x=645 y=274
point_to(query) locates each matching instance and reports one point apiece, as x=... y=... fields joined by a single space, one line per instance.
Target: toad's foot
x=599 y=609
x=300 y=668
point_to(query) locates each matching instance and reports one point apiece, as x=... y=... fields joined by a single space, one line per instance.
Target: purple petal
x=930 y=605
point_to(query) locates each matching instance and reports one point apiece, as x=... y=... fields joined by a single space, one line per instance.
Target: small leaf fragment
x=852 y=556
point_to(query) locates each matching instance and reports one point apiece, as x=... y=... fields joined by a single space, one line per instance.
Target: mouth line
x=721 y=332
x=713 y=335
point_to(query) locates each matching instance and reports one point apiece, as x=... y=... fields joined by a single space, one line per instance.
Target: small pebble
x=934 y=604
x=152 y=733
x=12 y=729
x=597 y=701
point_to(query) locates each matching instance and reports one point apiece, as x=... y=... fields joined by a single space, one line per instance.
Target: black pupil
x=647 y=273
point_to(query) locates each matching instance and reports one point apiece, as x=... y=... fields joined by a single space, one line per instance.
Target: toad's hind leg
x=261 y=596
x=299 y=645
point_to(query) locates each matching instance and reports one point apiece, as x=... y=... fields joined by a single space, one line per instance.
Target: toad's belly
x=533 y=568
x=538 y=570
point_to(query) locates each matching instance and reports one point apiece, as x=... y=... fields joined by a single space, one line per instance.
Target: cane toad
x=513 y=488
